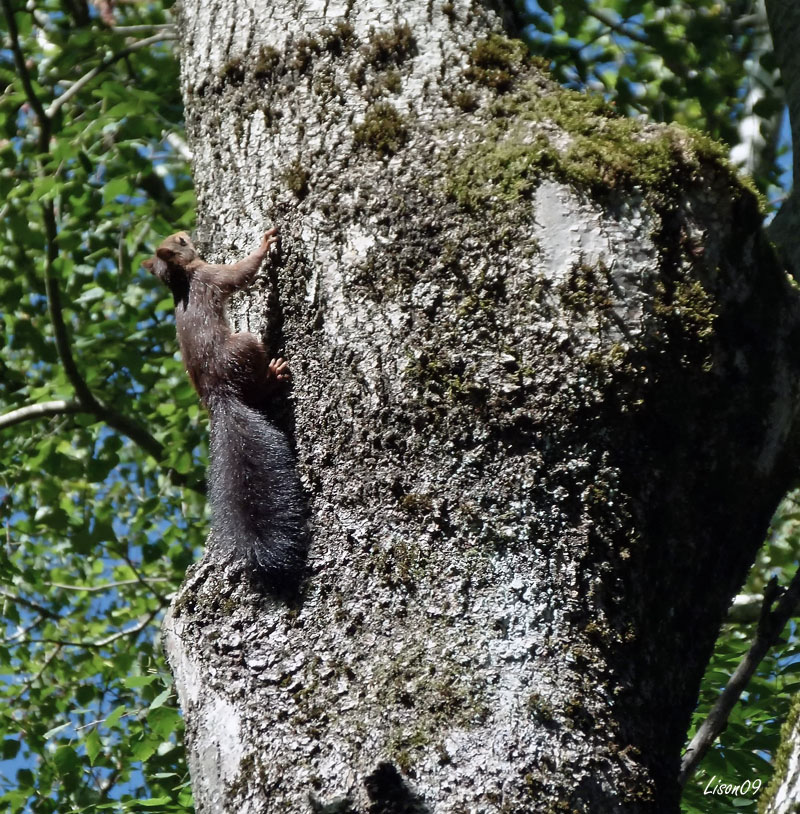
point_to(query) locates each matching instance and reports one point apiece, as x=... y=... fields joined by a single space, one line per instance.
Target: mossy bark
x=544 y=405
x=782 y=796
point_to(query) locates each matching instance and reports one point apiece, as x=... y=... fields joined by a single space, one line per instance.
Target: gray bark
x=783 y=794
x=544 y=405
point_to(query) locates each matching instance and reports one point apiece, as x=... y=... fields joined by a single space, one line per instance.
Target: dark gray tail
x=254 y=491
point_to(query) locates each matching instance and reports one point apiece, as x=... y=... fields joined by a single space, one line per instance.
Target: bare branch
x=106 y=586
x=43 y=410
x=784 y=23
x=56 y=104
x=137 y=628
x=143 y=29
x=141 y=580
x=769 y=629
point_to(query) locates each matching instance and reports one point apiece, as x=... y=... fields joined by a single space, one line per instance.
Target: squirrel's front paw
x=279 y=370
x=271 y=238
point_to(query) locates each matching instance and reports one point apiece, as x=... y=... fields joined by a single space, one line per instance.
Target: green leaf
x=134 y=682
x=66 y=760
x=160 y=699
x=92 y=744
x=164 y=721
x=113 y=719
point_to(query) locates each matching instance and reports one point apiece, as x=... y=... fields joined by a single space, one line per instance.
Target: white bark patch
x=573 y=231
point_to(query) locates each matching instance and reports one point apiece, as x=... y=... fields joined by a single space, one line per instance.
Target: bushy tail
x=254 y=492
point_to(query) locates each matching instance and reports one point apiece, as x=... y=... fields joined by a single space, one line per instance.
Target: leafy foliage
x=745 y=749
x=701 y=63
x=95 y=538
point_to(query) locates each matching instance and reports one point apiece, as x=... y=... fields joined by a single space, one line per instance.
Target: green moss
x=267 y=62
x=382 y=131
x=388 y=81
x=296 y=178
x=414 y=503
x=336 y=39
x=403 y=749
x=401 y=564
x=305 y=49
x=390 y=47
x=602 y=152
x=496 y=62
x=540 y=708
x=232 y=71
x=440 y=701
x=504 y=170
x=586 y=290
x=782 y=757
x=465 y=100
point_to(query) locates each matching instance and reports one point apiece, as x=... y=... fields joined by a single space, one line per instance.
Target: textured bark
x=544 y=405
x=783 y=794
x=784 y=24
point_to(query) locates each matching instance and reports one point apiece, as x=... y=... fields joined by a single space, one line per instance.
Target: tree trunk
x=783 y=794
x=544 y=405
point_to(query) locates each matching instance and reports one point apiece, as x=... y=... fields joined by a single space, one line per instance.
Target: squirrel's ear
x=149 y=264
x=164 y=253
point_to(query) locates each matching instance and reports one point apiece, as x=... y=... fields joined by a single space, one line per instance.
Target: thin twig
x=28 y=603
x=142 y=29
x=79 y=84
x=619 y=28
x=33 y=679
x=141 y=580
x=769 y=629
x=137 y=628
x=105 y=587
x=22 y=631
x=54 y=307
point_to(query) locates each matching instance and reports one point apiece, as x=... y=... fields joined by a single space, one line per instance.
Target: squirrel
x=253 y=487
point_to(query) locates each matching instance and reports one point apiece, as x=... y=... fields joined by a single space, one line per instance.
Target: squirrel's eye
x=182 y=241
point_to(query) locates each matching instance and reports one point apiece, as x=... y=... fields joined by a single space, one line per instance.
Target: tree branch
x=56 y=104
x=28 y=603
x=602 y=17
x=137 y=628
x=769 y=629
x=33 y=411
x=86 y=401
x=124 y=425
x=34 y=678
x=106 y=586
x=25 y=77
x=127 y=30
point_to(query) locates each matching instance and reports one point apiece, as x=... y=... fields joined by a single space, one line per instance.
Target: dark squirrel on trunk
x=254 y=491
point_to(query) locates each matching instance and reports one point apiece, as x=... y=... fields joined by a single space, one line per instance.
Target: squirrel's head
x=177 y=249
x=170 y=261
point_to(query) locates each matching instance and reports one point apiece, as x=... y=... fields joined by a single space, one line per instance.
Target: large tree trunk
x=783 y=794
x=544 y=405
